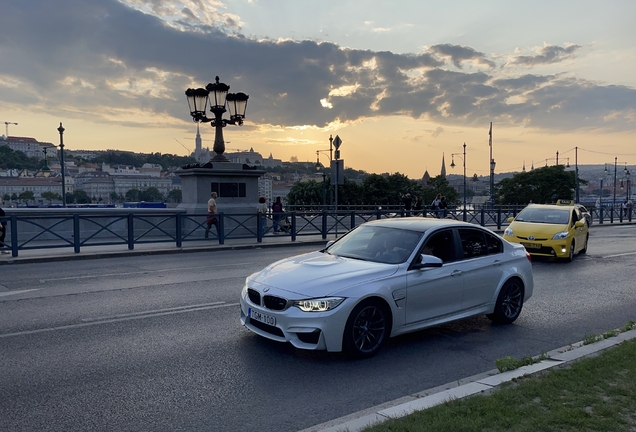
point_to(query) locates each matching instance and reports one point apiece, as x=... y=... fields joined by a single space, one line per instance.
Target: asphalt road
x=154 y=343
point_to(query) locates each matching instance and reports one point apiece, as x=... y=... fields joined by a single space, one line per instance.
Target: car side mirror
x=428 y=261
x=329 y=243
x=579 y=224
x=510 y=219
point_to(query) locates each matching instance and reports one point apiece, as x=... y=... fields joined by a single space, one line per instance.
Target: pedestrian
x=407 y=201
x=443 y=205
x=624 y=208
x=3 y=230
x=277 y=209
x=435 y=204
x=261 y=208
x=417 y=206
x=212 y=219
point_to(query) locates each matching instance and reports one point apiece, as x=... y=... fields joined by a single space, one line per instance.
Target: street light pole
x=61 y=131
x=453 y=166
x=614 y=203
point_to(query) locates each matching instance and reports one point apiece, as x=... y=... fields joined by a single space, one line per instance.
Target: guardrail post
x=612 y=214
x=221 y=228
x=14 y=236
x=179 y=229
x=293 y=226
x=464 y=214
x=499 y=218
x=323 y=228
x=76 y=233
x=131 y=232
x=259 y=227
x=353 y=220
x=483 y=216
x=600 y=215
x=378 y=213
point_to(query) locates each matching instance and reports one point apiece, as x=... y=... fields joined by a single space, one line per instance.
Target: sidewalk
x=91 y=252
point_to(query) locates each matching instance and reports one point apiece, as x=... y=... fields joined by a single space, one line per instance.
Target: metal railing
x=99 y=228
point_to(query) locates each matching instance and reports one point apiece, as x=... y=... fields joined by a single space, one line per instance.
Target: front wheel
x=367 y=328
x=570 y=256
x=509 y=303
x=587 y=239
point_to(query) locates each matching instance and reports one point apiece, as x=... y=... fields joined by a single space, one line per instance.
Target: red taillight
x=528 y=256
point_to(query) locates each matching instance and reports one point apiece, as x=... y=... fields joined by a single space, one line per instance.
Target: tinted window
x=495 y=244
x=440 y=244
x=473 y=243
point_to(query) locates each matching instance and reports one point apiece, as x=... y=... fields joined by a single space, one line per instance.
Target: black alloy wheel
x=366 y=330
x=509 y=302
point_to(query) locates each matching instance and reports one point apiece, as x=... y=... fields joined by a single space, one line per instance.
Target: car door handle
x=497 y=263
x=457 y=273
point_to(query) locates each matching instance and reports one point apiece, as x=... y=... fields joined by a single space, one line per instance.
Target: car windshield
x=378 y=244
x=544 y=215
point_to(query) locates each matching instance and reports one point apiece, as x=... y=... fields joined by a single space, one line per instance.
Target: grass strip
x=593 y=394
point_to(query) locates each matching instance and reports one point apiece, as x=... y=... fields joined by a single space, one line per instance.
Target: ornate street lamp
x=492 y=181
x=61 y=131
x=217 y=96
x=453 y=166
x=319 y=167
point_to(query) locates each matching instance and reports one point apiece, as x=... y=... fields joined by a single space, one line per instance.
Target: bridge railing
x=129 y=227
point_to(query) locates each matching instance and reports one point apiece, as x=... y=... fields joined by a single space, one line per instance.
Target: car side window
x=495 y=245
x=575 y=217
x=440 y=244
x=473 y=243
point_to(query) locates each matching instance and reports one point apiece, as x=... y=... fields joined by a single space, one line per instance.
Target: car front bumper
x=304 y=330
x=547 y=248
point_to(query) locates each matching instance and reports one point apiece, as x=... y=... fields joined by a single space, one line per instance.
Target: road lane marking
x=17 y=292
x=135 y=273
x=152 y=312
x=620 y=255
x=114 y=320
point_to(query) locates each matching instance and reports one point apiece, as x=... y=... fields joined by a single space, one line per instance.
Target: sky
x=403 y=84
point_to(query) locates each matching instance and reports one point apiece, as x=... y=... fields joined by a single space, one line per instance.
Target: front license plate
x=261 y=317
x=532 y=245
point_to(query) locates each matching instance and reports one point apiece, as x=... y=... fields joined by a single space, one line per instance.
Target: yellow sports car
x=557 y=231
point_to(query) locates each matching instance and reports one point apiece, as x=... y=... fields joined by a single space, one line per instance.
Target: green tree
x=114 y=196
x=542 y=185
x=80 y=197
x=151 y=194
x=48 y=195
x=133 y=195
x=6 y=197
x=175 y=195
x=307 y=193
x=26 y=196
x=439 y=185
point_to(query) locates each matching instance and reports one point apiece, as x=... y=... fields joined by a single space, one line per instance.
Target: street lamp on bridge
x=463 y=158
x=217 y=96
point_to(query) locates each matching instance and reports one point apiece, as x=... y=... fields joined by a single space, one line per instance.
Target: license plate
x=532 y=245
x=261 y=317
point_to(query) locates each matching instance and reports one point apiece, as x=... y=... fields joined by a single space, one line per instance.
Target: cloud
x=460 y=54
x=548 y=54
x=130 y=63
x=437 y=132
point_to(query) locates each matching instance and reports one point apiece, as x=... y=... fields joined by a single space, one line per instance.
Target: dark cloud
x=96 y=58
x=547 y=55
x=460 y=54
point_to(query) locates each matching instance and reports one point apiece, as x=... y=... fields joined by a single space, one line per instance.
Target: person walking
x=261 y=208
x=212 y=219
x=3 y=230
x=443 y=205
x=277 y=209
x=435 y=204
x=408 y=202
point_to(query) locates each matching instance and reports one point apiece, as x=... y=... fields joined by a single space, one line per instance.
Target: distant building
x=29 y=146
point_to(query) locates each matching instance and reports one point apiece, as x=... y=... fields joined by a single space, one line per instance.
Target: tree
x=151 y=194
x=80 y=197
x=26 y=196
x=6 y=197
x=307 y=193
x=175 y=195
x=114 y=196
x=48 y=195
x=439 y=185
x=542 y=185
x=132 y=195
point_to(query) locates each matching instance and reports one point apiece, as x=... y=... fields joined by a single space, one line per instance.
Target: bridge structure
x=34 y=232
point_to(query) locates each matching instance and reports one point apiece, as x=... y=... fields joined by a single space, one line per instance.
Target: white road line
x=620 y=255
x=114 y=320
x=135 y=273
x=17 y=292
x=150 y=312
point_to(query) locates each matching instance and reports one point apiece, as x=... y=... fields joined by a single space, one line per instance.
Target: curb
x=481 y=383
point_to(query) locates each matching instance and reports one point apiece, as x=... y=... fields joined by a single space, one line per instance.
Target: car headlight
x=318 y=305
x=560 y=236
x=509 y=232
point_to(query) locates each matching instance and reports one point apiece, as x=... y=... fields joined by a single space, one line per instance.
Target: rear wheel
x=509 y=302
x=367 y=328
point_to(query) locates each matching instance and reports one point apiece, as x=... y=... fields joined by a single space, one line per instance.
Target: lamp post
x=61 y=131
x=217 y=96
x=324 y=175
x=492 y=182
x=453 y=166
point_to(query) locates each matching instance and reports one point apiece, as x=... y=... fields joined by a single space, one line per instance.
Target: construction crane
x=6 y=124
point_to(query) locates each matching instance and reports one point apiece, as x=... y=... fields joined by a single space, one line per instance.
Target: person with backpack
x=277 y=209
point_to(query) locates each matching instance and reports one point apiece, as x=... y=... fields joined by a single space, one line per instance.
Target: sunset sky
x=401 y=83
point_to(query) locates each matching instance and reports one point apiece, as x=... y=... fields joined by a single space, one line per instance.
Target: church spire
x=443 y=172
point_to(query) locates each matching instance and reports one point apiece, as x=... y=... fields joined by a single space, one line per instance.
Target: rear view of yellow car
x=558 y=231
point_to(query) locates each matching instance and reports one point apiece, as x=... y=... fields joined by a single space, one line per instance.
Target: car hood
x=538 y=230
x=319 y=274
